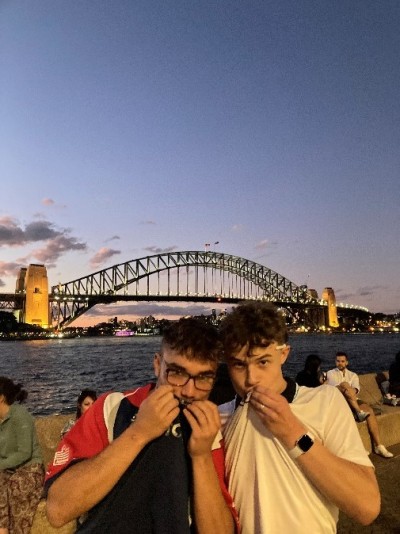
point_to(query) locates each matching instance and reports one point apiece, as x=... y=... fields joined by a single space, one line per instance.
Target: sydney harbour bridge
x=188 y=276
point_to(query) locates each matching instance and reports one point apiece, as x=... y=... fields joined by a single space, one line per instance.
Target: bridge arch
x=176 y=276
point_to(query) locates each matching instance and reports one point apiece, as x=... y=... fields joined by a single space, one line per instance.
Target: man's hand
x=203 y=417
x=274 y=411
x=156 y=413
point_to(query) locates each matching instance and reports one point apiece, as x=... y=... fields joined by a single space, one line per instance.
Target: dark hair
x=341 y=353
x=312 y=363
x=193 y=338
x=12 y=392
x=257 y=323
x=82 y=396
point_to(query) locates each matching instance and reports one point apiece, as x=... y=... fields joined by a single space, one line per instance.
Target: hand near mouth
x=156 y=413
x=203 y=417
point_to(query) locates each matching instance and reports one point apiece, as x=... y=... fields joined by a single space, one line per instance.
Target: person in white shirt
x=294 y=456
x=348 y=384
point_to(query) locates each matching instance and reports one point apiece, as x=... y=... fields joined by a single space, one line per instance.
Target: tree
x=8 y=322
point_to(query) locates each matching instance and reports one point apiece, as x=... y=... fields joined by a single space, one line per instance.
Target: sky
x=130 y=128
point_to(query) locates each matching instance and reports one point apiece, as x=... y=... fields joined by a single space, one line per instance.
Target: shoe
x=362 y=416
x=382 y=451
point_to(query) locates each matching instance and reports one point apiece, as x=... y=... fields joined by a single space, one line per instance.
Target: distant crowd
x=221 y=441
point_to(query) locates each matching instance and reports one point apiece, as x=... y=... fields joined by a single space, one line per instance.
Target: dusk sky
x=130 y=128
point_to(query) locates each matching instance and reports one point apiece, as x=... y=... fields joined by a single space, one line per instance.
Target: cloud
x=12 y=234
x=57 y=240
x=147 y=222
x=102 y=255
x=237 y=227
x=262 y=244
x=113 y=238
x=51 y=202
x=365 y=291
x=265 y=243
x=9 y=269
x=41 y=231
x=57 y=247
x=157 y=250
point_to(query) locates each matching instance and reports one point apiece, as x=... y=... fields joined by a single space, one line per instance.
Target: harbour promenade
x=388 y=521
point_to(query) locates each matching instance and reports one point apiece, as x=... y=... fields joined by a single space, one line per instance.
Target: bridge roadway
x=10 y=301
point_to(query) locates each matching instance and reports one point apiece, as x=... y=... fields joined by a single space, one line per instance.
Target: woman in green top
x=21 y=464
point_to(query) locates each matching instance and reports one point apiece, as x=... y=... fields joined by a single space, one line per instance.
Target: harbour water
x=55 y=371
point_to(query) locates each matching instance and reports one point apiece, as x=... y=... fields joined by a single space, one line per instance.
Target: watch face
x=305 y=442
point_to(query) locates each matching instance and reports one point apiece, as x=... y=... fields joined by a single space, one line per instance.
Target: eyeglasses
x=178 y=377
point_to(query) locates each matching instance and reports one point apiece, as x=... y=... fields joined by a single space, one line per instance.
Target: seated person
x=311 y=376
x=21 y=464
x=348 y=384
x=394 y=377
x=85 y=400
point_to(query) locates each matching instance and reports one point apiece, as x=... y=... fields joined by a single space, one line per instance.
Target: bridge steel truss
x=11 y=301
x=179 y=276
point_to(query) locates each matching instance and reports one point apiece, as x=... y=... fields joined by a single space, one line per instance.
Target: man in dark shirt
x=149 y=460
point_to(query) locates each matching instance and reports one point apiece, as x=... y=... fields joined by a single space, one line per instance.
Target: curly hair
x=257 y=323
x=193 y=338
x=12 y=392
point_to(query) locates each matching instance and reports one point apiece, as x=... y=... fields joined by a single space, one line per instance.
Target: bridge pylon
x=329 y=295
x=33 y=282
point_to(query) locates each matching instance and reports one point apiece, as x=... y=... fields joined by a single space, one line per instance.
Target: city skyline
x=269 y=131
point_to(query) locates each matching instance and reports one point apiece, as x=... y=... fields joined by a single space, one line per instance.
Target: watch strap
x=303 y=444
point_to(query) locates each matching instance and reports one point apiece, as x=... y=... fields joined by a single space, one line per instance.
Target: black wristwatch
x=303 y=445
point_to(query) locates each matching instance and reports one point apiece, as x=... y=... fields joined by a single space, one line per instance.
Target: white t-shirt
x=334 y=377
x=271 y=493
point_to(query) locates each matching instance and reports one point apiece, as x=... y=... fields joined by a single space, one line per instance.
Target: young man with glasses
x=150 y=460
x=293 y=454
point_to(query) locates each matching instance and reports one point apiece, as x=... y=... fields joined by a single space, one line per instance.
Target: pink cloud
x=102 y=256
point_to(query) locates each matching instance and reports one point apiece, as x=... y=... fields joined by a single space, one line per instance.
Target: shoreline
x=53 y=337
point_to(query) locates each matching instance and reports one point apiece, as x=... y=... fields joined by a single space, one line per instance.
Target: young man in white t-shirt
x=294 y=456
x=348 y=384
